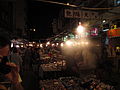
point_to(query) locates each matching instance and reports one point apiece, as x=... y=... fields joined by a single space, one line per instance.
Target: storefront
x=114 y=41
x=114 y=47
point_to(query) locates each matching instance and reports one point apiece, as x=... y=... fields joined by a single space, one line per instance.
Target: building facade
x=13 y=17
x=21 y=17
x=7 y=19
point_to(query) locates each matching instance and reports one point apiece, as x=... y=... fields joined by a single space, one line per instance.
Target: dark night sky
x=40 y=16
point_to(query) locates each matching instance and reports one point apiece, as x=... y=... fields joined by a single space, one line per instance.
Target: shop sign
x=69 y=13
x=113 y=33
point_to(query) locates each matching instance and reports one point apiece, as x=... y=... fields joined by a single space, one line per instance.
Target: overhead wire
x=72 y=5
x=65 y=4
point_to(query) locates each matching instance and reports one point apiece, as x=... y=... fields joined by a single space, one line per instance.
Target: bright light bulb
x=53 y=44
x=68 y=4
x=31 y=45
x=57 y=44
x=48 y=43
x=76 y=36
x=22 y=46
x=61 y=44
x=37 y=45
x=41 y=45
x=17 y=46
x=69 y=43
x=12 y=45
x=80 y=29
x=34 y=30
x=104 y=21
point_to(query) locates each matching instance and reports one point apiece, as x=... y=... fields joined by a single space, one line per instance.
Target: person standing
x=8 y=70
x=16 y=58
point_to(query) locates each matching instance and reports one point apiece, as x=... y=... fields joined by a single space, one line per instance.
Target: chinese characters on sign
x=81 y=14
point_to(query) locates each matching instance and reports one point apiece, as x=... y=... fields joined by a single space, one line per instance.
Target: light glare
x=41 y=45
x=17 y=46
x=80 y=29
x=31 y=45
x=11 y=44
x=68 y=43
x=61 y=44
x=53 y=44
x=86 y=43
x=48 y=43
x=57 y=44
x=22 y=46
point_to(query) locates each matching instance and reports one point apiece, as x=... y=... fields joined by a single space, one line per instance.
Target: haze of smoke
x=88 y=54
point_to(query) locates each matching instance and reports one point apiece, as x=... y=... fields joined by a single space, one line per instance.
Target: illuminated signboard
x=94 y=32
x=113 y=33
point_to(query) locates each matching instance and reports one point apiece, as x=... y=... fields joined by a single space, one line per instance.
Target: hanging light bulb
x=41 y=45
x=69 y=43
x=48 y=43
x=57 y=44
x=61 y=44
x=53 y=44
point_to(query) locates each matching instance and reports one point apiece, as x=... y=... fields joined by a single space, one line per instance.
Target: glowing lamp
x=17 y=46
x=12 y=45
x=69 y=43
x=53 y=44
x=57 y=44
x=61 y=44
x=22 y=46
x=31 y=45
x=80 y=29
x=48 y=43
x=41 y=45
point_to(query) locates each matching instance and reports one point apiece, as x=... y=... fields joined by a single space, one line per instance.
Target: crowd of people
x=15 y=61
